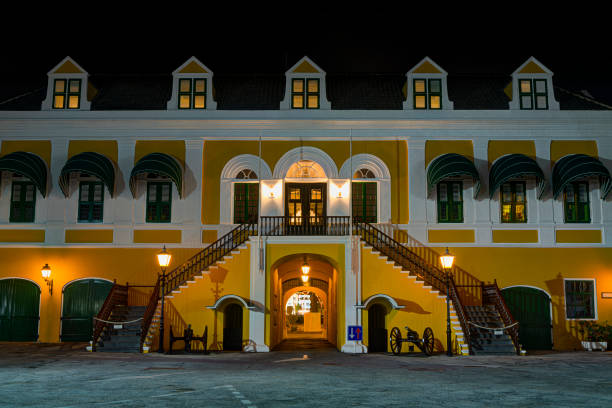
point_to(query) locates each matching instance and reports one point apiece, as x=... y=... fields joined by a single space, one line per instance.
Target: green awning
x=91 y=163
x=578 y=166
x=160 y=164
x=513 y=166
x=452 y=165
x=27 y=165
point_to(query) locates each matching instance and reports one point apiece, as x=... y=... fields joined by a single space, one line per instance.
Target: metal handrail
x=284 y=225
x=149 y=312
x=492 y=295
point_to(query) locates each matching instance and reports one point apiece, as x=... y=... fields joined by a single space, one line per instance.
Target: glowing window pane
x=198 y=102
x=295 y=194
x=434 y=86
x=313 y=85
x=434 y=102
x=526 y=102
x=185 y=101
x=419 y=102
x=298 y=101
x=185 y=85
x=520 y=212
x=73 y=101
x=419 y=85
x=58 y=102
x=75 y=86
x=315 y=194
x=313 y=101
x=507 y=193
x=298 y=85
x=506 y=211
x=60 y=85
x=200 y=85
x=525 y=86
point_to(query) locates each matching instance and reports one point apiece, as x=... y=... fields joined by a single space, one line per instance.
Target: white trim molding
x=388 y=298
x=244 y=302
x=305 y=153
x=246 y=161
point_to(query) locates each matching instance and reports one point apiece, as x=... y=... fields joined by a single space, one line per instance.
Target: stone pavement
x=38 y=375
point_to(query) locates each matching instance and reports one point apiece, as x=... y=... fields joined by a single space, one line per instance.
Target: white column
x=417 y=190
x=482 y=209
x=352 y=294
x=257 y=318
x=192 y=193
x=546 y=207
x=124 y=202
x=56 y=202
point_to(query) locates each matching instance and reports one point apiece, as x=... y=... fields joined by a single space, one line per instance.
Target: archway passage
x=82 y=300
x=377 y=330
x=305 y=315
x=232 y=327
x=19 y=310
x=531 y=308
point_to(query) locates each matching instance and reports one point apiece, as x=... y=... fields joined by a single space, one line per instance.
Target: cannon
x=425 y=344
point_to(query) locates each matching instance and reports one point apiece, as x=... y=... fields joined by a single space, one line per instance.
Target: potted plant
x=595 y=335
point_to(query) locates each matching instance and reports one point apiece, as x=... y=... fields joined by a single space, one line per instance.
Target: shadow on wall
x=565 y=333
x=410 y=307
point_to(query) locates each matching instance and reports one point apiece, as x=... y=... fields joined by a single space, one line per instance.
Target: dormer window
x=67 y=94
x=427 y=93
x=192 y=87
x=192 y=93
x=426 y=87
x=68 y=87
x=305 y=93
x=533 y=93
x=532 y=87
x=305 y=87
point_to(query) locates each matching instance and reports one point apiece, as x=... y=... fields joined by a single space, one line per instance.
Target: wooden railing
x=116 y=296
x=461 y=314
x=321 y=225
x=493 y=296
x=149 y=312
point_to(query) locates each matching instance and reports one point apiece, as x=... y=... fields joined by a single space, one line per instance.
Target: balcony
x=317 y=225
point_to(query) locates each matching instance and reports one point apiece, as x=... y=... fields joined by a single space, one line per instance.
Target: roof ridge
x=581 y=96
x=20 y=96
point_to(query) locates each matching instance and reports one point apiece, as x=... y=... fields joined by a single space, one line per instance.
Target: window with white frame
x=580 y=298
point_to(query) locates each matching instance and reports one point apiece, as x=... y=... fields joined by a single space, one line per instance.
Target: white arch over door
x=305 y=153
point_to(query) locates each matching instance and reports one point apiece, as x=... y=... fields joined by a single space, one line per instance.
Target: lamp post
x=447 y=263
x=163 y=258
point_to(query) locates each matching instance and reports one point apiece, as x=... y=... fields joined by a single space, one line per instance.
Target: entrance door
x=19 y=310
x=377 y=333
x=232 y=327
x=531 y=308
x=305 y=208
x=82 y=301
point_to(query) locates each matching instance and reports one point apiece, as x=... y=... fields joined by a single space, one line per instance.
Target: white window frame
x=594 y=298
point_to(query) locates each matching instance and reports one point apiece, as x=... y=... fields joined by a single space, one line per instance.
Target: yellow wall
x=515 y=236
x=157 y=236
x=560 y=148
x=193 y=68
x=435 y=148
x=175 y=148
x=41 y=148
x=97 y=236
x=218 y=153
x=136 y=266
x=426 y=68
x=22 y=235
x=107 y=148
x=68 y=68
x=532 y=68
x=499 y=148
x=463 y=235
x=306 y=67
x=578 y=236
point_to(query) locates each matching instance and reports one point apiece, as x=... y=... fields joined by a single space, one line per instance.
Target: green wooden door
x=82 y=301
x=19 y=310
x=531 y=307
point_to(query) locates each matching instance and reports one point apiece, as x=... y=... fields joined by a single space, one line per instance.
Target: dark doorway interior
x=232 y=327
x=377 y=332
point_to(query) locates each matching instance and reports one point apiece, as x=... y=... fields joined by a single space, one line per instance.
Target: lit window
x=67 y=94
x=580 y=299
x=23 y=201
x=450 y=201
x=192 y=93
x=576 y=199
x=91 y=201
x=513 y=202
x=159 y=201
x=305 y=93
x=533 y=94
x=428 y=94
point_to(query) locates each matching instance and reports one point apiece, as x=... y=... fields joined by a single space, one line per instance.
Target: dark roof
x=265 y=91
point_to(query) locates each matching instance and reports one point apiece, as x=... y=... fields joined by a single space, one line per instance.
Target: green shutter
x=513 y=166
x=579 y=166
x=19 y=310
x=160 y=164
x=91 y=163
x=27 y=165
x=82 y=300
x=452 y=165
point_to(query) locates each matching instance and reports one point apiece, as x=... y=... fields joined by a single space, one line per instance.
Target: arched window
x=246 y=197
x=364 y=174
x=247 y=174
x=306 y=169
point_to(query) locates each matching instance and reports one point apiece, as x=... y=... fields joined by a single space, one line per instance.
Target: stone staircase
x=486 y=342
x=123 y=338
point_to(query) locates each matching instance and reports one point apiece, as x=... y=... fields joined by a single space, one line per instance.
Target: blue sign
x=355 y=333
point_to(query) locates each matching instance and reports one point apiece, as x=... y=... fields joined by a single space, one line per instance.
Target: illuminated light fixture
x=447 y=260
x=606 y=295
x=46 y=274
x=305 y=267
x=305 y=278
x=164 y=258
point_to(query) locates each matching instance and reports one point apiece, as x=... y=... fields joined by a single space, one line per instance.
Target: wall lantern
x=46 y=274
x=606 y=295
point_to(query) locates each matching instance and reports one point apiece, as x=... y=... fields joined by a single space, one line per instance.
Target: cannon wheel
x=395 y=340
x=428 y=341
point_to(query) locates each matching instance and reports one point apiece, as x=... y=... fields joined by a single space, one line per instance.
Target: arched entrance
x=377 y=329
x=303 y=310
x=232 y=327
x=531 y=308
x=19 y=310
x=82 y=300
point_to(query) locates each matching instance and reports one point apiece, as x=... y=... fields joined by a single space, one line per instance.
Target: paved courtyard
x=65 y=376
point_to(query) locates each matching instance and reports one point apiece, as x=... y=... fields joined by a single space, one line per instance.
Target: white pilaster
x=124 y=203
x=257 y=295
x=192 y=192
x=417 y=189
x=481 y=208
x=546 y=208
x=56 y=202
x=352 y=294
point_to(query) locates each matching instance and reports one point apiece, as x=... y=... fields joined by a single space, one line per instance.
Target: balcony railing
x=321 y=225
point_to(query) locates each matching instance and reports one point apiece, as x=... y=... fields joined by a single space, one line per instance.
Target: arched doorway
x=531 y=308
x=232 y=327
x=19 y=310
x=82 y=300
x=377 y=330
x=305 y=312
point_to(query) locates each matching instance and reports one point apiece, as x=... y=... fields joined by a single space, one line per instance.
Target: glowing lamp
x=46 y=274
x=305 y=278
x=447 y=260
x=164 y=258
x=305 y=268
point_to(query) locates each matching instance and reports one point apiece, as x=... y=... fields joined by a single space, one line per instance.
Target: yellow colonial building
x=305 y=206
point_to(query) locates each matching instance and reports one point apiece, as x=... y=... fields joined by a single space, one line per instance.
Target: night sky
x=574 y=45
